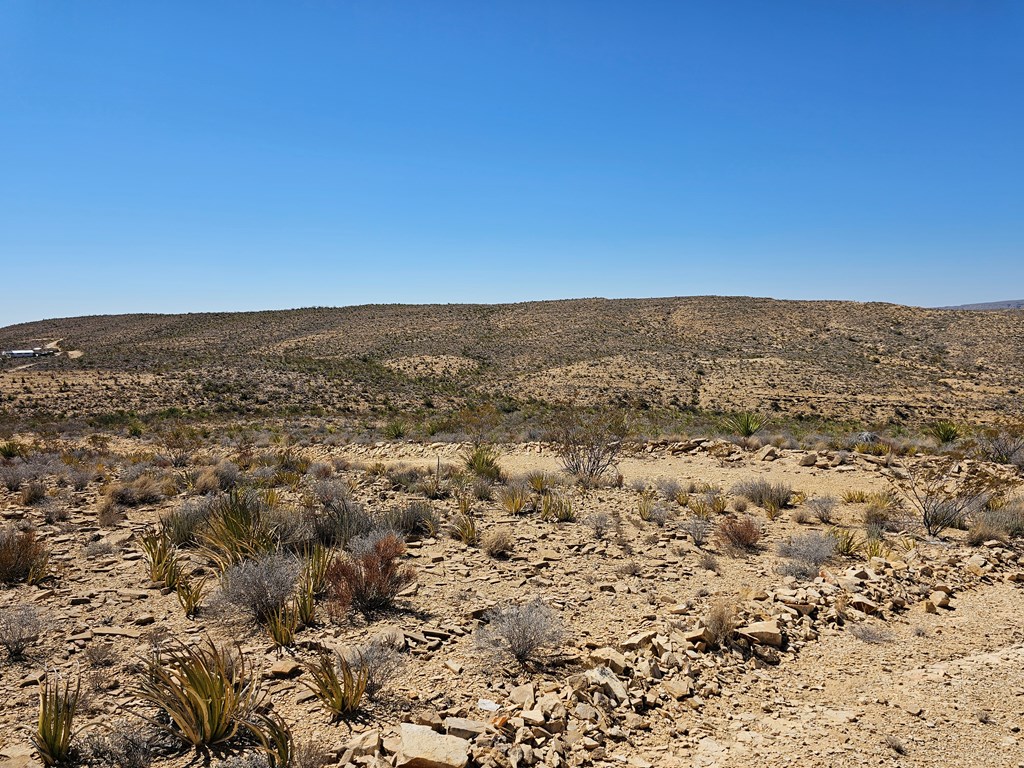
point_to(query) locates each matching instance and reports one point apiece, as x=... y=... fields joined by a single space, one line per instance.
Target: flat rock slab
x=422 y=747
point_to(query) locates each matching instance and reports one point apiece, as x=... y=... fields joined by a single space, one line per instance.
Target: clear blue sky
x=193 y=156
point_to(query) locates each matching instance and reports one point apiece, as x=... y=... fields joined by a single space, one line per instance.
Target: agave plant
x=206 y=692
x=339 y=685
x=57 y=708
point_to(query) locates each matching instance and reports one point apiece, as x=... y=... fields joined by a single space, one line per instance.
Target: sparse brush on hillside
x=941 y=498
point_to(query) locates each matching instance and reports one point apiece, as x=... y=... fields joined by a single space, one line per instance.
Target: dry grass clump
x=557 y=508
x=740 y=533
x=520 y=631
x=498 y=542
x=463 y=528
x=707 y=502
x=413 y=520
x=145 y=489
x=370 y=576
x=770 y=496
x=699 y=529
x=23 y=558
x=721 y=621
x=33 y=493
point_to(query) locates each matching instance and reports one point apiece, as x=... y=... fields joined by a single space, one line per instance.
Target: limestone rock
x=421 y=747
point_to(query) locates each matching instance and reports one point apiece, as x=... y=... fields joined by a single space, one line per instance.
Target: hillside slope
x=865 y=362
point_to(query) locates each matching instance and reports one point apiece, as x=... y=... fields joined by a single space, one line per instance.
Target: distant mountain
x=841 y=360
x=991 y=306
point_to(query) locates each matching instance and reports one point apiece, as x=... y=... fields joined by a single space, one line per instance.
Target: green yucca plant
x=190 y=594
x=874 y=548
x=57 y=708
x=482 y=461
x=746 y=423
x=281 y=626
x=514 y=499
x=318 y=560
x=944 y=431
x=206 y=691
x=162 y=557
x=12 y=450
x=556 y=508
x=539 y=482
x=852 y=496
x=339 y=685
x=846 y=541
x=463 y=528
x=237 y=530
x=305 y=601
x=275 y=738
x=645 y=506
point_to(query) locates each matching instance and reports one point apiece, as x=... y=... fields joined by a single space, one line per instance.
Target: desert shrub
x=498 y=542
x=404 y=478
x=145 y=489
x=379 y=661
x=109 y=513
x=339 y=519
x=671 y=490
x=370 y=576
x=260 y=588
x=413 y=520
x=646 y=505
x=599 y=523
x=822 y=507
x=942 y=499
x=721 y=621
x=483 y=490
x=22 y=556
x=514 y=499
x=182 y=525
x=206 y=692
x=33 y=493
x=745 y=423
x=13 y=476
x=852 y=496
x=396 y=429
x=483 y=462
x=1003 y=445
x=80 y=477
x=871 y=633
x=1008 y=518
x=740 y=533
x=698 y=528
x=55 y=728
x=740 y=505
x=772 y=496
x=520 y=631
x=338 y=684
x=985 y=528
x=98 y=548
x=126 y=747
x=588 y=445
x=9 y=449
x=708 y=562
x=805 y=553
x=19 y=629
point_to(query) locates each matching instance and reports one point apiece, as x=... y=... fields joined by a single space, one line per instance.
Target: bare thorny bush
x=942 y=494
x=588 y=444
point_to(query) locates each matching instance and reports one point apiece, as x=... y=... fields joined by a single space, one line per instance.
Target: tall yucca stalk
x=57 y=708
x=206 y=691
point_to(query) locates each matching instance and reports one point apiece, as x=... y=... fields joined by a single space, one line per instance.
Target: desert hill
x=840 y=360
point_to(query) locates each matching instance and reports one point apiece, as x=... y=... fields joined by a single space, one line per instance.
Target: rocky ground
x=908 y=655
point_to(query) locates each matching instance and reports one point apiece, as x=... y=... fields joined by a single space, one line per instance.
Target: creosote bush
x=588 y=444
x=370 y=576
x=520 y=631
